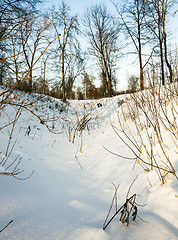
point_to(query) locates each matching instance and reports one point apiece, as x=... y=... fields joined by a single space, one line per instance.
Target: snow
x=70 y=192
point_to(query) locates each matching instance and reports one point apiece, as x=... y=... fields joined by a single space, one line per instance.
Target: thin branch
x=6 y=226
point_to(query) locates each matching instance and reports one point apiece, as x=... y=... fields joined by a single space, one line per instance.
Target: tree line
x=41 y=51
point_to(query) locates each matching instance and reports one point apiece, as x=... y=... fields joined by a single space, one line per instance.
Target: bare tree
x=66 y=29
x=44 y=61
x=158 y=12
x=11 y=20
x=89 y=88
x=102 y=31
x=32 y=37
x=75 y=64
x=133 y=83
x=132 y=14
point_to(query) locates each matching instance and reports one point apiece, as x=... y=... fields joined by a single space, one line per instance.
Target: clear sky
x=125 y=68
x=79 y=6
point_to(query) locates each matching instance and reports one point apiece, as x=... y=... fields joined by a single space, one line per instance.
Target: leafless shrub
x=151 y=111
x=83 y=118
x=127 y=211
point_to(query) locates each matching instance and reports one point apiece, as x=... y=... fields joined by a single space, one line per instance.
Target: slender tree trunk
x=162 y=62
x=30 y=81
x=63 y=78
x=168 y=64
x=109 y=78
x=165 y=52
x=109 y=86
x=140 y=48
x=161 y=57
x=44 y=78
x=1 y=73
x=16 y=76
x=15 y=64
x=140 y=59
x=141 y=69
x=104 y=83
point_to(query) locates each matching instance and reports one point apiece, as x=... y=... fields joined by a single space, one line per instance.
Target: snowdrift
x=76 y=156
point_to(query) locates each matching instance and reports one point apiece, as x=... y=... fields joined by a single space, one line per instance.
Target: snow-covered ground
x=70 y=192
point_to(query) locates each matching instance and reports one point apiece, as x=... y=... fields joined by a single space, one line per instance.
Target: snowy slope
x=70 y=192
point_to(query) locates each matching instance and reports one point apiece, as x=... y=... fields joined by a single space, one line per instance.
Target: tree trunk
x=16 y=76
x=1 y=74
x=103 y=87
x=109 y=77
x=165 y=53
x=44 y=78
x=161 y=57
x=140 y=48
x=30 y=80
x=141 y=71
x=63 y=78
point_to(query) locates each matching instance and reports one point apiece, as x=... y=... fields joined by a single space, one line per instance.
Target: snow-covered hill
x=69 y=194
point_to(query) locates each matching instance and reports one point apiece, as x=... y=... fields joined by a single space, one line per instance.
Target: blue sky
x=79 y=6
x=125 y=68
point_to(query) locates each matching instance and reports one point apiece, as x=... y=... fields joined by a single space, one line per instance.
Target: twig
x=78 y=162
x=110 y=208
x=6 y=226
x=131 y=186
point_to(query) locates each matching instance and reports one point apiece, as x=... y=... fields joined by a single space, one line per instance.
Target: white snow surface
x=70 y=192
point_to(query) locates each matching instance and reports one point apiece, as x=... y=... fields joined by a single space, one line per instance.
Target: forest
x=56 y=53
